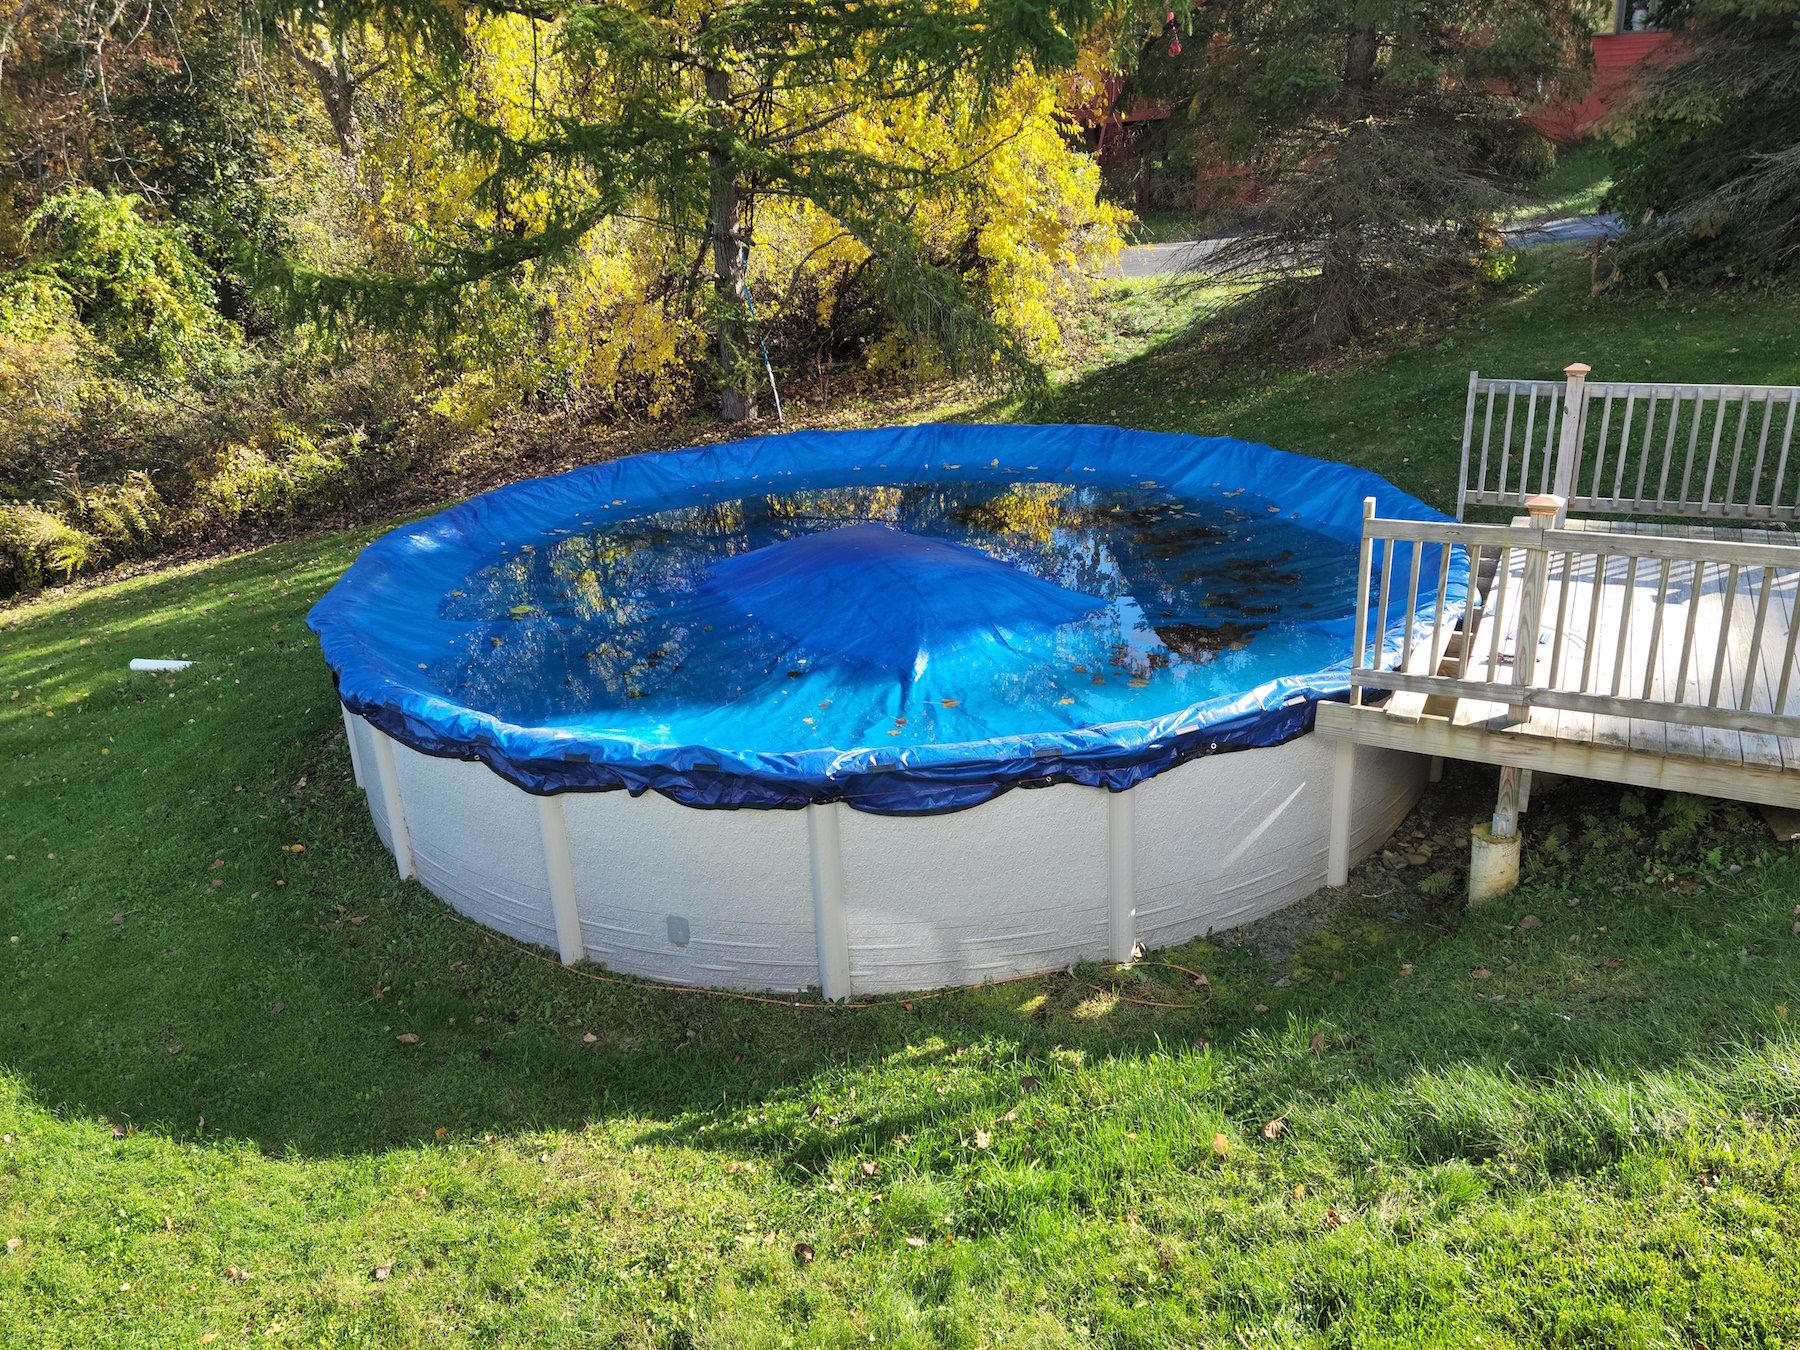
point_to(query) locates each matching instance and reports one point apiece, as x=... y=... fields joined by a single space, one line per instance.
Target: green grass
x=1577 y=186
x=1602 y=1158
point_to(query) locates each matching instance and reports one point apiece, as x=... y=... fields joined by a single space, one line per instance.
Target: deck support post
x=1343 y=785
x=554 y=828
x=1121 y=875
x=356 y=768
x=394 y=808
x=1435 y=773
x=831 y=906
x=1506 y=810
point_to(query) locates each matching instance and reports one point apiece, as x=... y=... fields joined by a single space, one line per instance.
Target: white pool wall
x=1028 y=882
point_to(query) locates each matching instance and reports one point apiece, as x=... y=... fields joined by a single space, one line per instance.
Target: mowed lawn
x=1425 y=1127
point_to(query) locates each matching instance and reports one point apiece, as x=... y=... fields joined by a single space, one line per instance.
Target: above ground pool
x=600 y=706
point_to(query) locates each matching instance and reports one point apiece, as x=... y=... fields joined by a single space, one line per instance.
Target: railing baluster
x=1358 y=639
x=1487 y=438
x=1762 y=446
x=1512 y=395
x=1544 y=478
x=1787 y=439
x=1412 y=607
x=1737 y=453
x=1756 y=637
x=1662 y=484
x=1525 y=449
x=1687 y=471
x=1725 y=606
x=1787 y=658
x=1599 y=457
x=1712 y=455
x=1695 y=587
x=1656 y=624
x=1381 y=618
x=1562 y=615
x=1437 y=610
x=1622 y=649
x=1500 y=580
x=1471 y=612
x=1644 y=458
x=1593 y=627
x=1624 y=444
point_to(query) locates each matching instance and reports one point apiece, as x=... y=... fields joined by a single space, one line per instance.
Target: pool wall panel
x=1013 y=886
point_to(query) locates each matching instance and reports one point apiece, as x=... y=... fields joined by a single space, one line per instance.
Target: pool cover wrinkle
x=911 y=621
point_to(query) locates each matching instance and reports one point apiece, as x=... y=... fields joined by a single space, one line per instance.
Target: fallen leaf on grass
x=379 y=991
x=803 y=1252
x=217 y=864
x=1406 y=969
x=869 y=1169
x=277 y=1008
x=208 y=1337
x=1480 y=973
x=118 y=1132
x=589 y=1037
x=235 y=1275
x=1531 y=921
x=441 y=1132
x=382 y=1271
x=1029 y=1083
x=1221 y=1145
x=912 y=1241
x=408 y=1038
x=1261 y=1007
x=1300 y=1191
x=1333 y=1219
x=1612 y=962
x=983 y=1139
x=1275 y=1128
x=1318 y=1040
x=1337 y=977
x=13 y=1244
x=117 y=918
x=359 y=918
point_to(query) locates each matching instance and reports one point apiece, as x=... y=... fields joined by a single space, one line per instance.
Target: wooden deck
x=1660 y=656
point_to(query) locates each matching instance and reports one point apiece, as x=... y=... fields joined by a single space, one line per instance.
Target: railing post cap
x=1576 y=369
x=1545 y=504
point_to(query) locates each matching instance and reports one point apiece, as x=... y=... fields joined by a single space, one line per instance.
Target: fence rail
x=1691 y=631
x=1701 y=451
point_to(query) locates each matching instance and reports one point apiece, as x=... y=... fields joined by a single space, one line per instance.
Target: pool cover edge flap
x=924 y=779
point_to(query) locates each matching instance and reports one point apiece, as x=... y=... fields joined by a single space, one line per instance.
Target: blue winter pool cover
x=911 y=620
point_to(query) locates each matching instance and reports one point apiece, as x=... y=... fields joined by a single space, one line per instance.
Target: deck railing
x=1703 y=451
x=1586 y=620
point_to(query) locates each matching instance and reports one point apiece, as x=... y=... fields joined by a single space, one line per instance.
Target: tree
x=1708 y=167
x=691 y=115
x=1379 y=138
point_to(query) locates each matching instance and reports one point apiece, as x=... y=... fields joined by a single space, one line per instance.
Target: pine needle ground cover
x=1566 y=1121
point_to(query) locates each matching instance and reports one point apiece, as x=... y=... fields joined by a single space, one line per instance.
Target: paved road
x=1152 y=260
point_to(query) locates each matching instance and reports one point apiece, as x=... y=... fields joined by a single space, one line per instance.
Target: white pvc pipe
x=390 y=797
x=1121 y=875
x=831 y=906
x=140 y=663
x=356 y=768
x=555 y=830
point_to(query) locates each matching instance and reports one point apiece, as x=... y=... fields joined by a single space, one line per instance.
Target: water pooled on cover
x=894 y=615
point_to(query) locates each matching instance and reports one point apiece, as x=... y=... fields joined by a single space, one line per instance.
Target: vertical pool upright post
x=831 y=907
x=1343 y=787
x=1121 y=875
x=394 y=808
x=554 y=828
x=356 y=768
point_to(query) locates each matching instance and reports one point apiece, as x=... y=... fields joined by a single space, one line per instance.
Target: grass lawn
x=210 y=1133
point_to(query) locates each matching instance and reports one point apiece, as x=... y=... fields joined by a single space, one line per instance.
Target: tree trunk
x=730 y=262
x=337 y=88
x=1341 y=268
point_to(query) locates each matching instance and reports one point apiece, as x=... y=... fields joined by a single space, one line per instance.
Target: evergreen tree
x=692 y=113
x=1378 y=137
